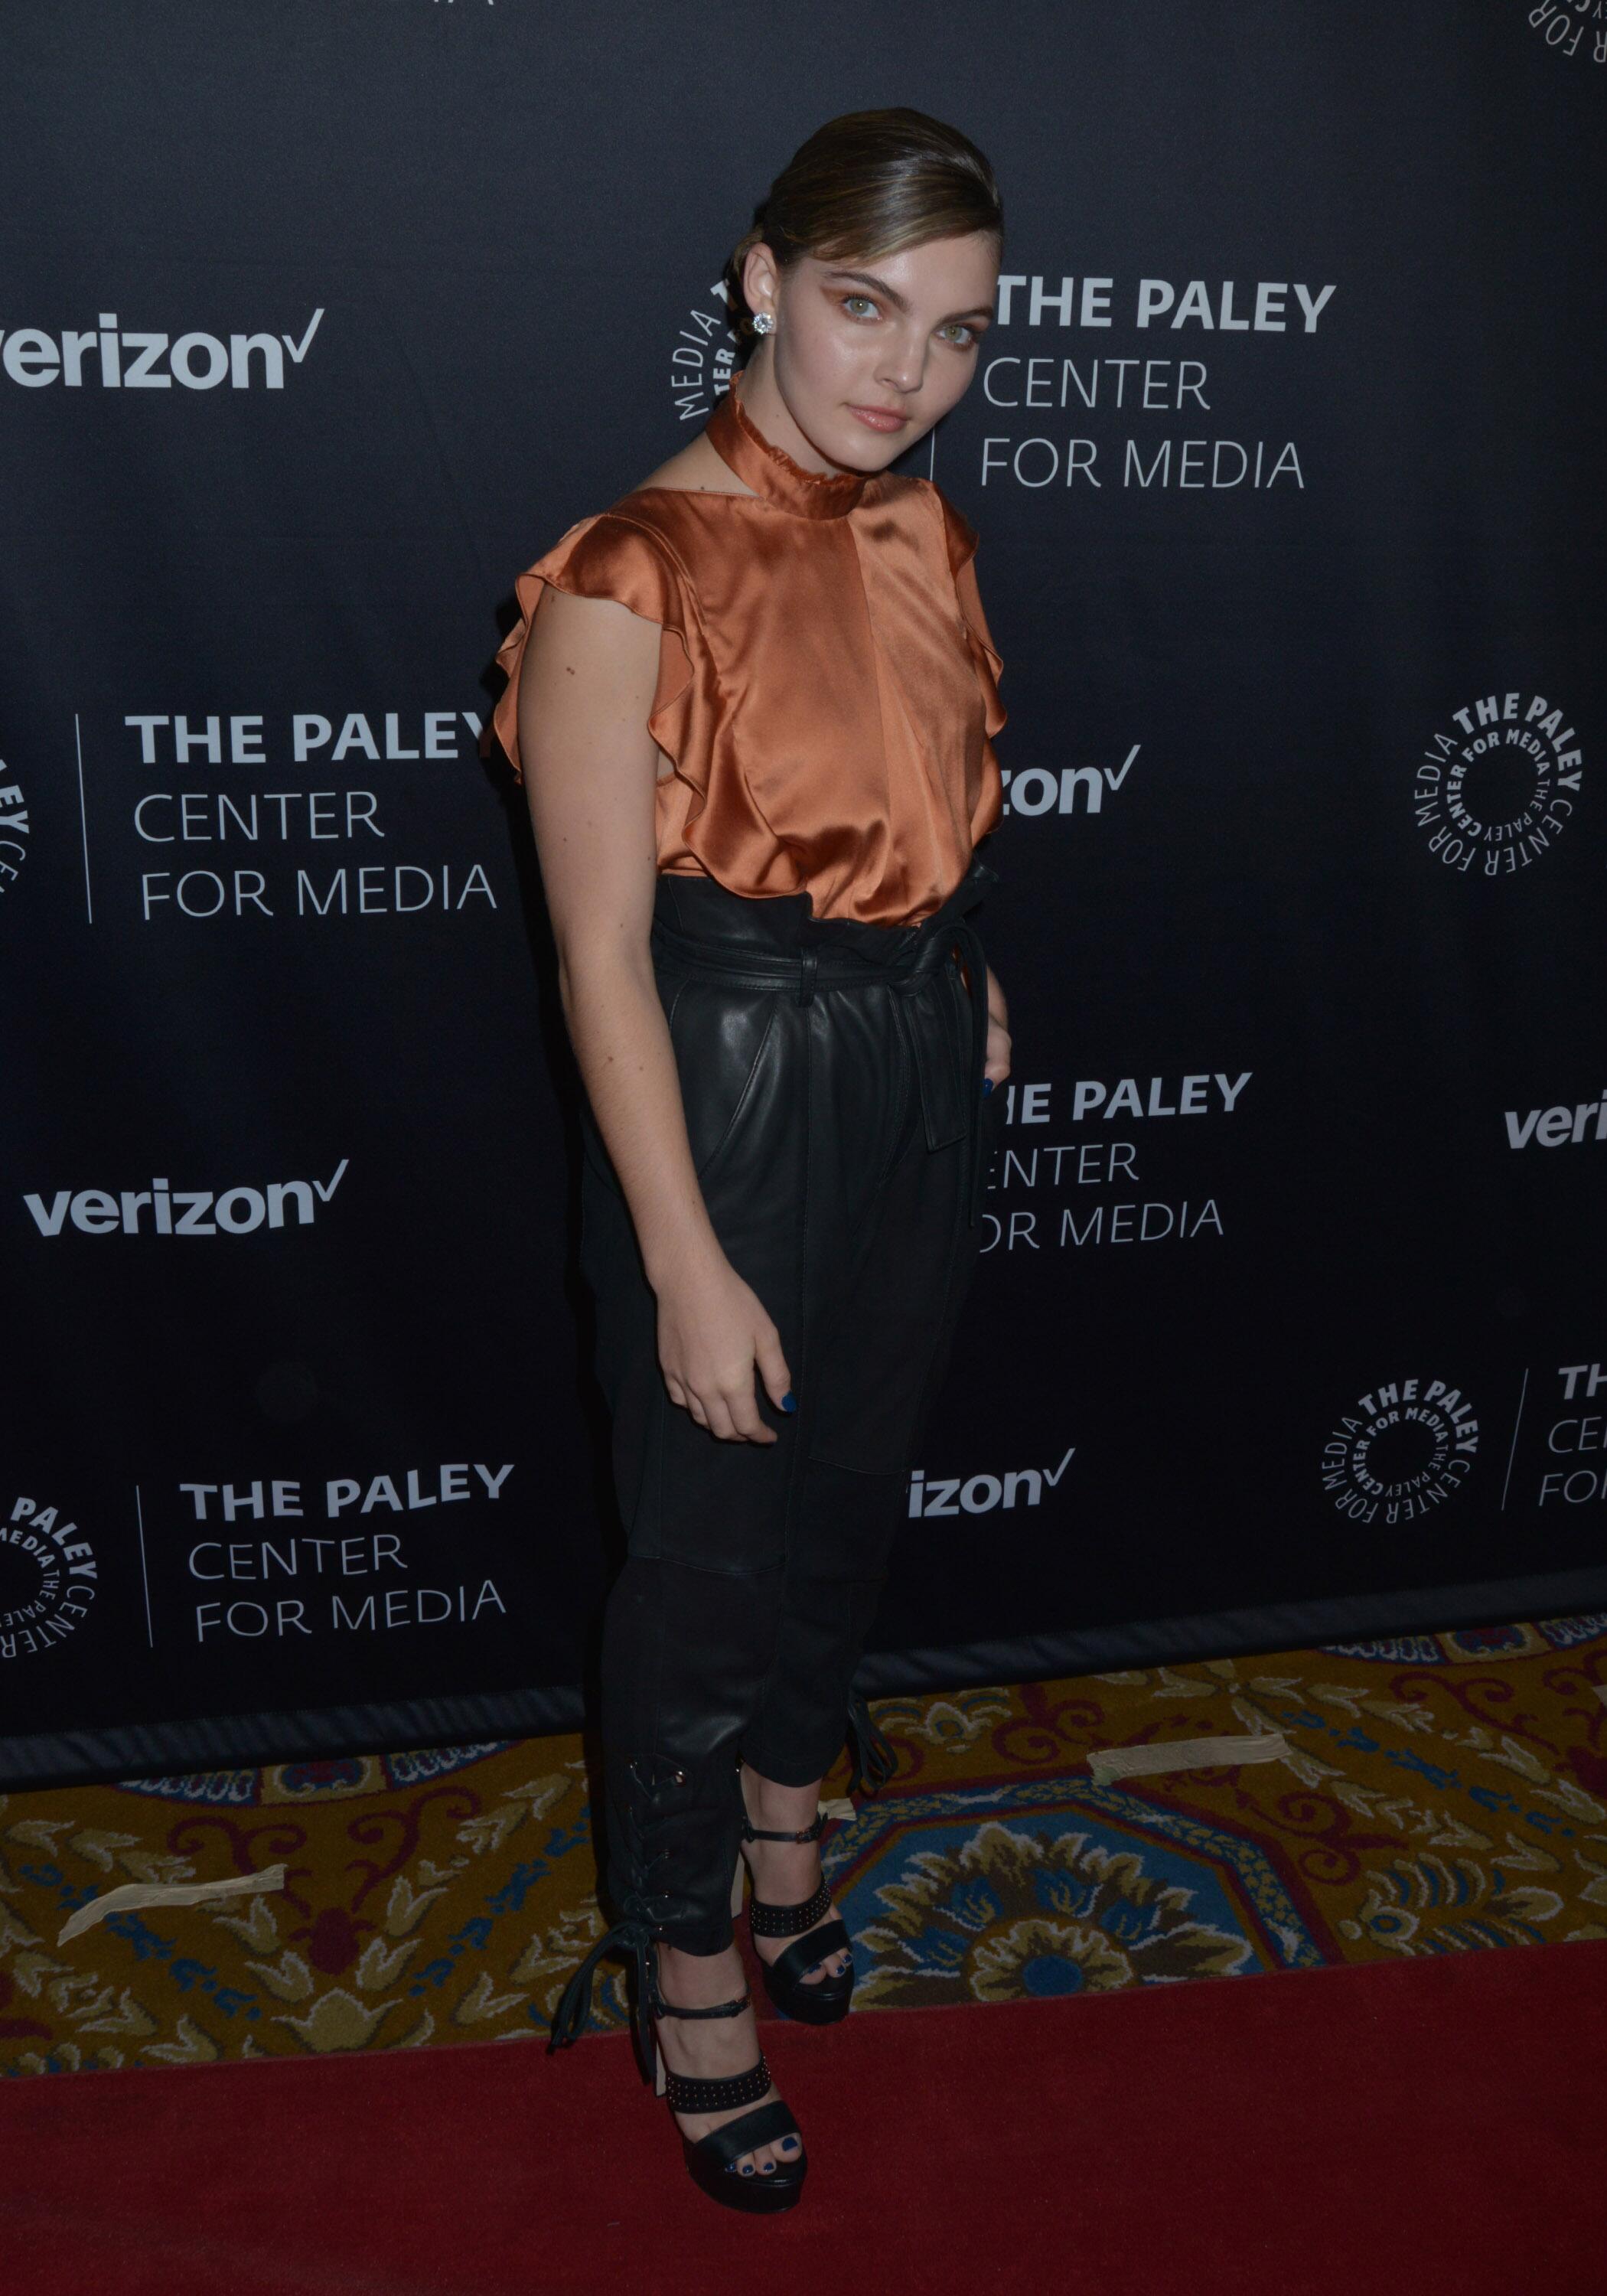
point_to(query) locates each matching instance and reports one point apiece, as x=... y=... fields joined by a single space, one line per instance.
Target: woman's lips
x=879 y=418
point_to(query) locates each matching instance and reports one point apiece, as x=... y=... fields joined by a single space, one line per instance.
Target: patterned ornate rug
x=1432 y=1794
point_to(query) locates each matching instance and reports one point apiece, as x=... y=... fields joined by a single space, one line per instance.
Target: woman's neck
x=768 y=412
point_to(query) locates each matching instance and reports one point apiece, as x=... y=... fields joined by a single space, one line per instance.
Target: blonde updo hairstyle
x=866 y=184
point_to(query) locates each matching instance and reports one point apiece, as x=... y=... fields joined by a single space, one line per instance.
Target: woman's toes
x=833 y=1966
x=788 y=2145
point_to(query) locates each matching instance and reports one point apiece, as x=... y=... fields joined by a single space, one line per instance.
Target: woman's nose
x=904 y=368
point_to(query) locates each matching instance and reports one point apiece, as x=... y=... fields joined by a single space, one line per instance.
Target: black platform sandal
x=786 y=1978
x=712 y=2159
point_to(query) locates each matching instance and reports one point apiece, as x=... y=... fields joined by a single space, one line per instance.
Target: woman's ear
x=760 y=278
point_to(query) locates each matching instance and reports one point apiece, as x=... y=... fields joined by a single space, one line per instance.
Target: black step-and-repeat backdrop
x=319 y=322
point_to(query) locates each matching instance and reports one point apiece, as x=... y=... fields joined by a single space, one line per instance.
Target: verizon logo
x=938 y=1495
x=1035 y=789
x=163 y=1210
x=126 y=358
x=1558 y=1126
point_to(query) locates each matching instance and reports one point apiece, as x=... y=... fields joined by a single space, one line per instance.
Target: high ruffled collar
x=771 y=472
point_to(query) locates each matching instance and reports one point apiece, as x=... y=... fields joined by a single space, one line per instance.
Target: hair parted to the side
x=868 y=184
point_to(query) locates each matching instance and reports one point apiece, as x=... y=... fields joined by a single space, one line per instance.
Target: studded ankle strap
x=788 y=1920
x=687 y=2093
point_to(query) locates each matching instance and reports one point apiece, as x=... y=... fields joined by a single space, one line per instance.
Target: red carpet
x=1430 y=2127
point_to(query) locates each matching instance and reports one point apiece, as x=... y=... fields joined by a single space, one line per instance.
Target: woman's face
x=866 y=356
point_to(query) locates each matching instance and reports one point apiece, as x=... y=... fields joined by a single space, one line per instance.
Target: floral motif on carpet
x=1430 y=1793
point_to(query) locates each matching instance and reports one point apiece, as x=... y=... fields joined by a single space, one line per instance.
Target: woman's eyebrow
x=869 y=279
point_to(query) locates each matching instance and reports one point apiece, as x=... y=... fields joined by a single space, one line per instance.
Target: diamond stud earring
x=764 y=322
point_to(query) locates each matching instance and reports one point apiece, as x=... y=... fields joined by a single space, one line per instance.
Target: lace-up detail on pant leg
x=672 y=1829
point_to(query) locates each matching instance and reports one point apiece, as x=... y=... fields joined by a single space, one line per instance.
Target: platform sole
x=802 y=2006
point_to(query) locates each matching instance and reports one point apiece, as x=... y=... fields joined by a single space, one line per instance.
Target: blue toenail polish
x=987 y=1085
x=748 y=2171
x=789 y=1401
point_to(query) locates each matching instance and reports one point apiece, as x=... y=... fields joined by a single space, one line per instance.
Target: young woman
x=753 y=718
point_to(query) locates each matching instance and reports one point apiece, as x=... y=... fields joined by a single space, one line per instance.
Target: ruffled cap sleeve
x=962 y=538
x=610 y=555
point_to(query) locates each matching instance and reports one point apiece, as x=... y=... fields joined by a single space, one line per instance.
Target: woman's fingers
x=712 y=1373
x=734 y=1415
x=729 y=1411
x=773 y=1365
x=719 y=1419
x=743 y=1408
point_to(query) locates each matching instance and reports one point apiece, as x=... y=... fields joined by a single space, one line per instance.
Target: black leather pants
x=832 y=1076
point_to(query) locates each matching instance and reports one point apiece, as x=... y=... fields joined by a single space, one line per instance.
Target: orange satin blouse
x=827 y=686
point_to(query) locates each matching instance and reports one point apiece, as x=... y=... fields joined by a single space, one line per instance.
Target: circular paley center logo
x=704 y=358
x=14 y=828
x=47 y=1578
x=1569 y=27
x=1405 y=1447
x=1496 y=788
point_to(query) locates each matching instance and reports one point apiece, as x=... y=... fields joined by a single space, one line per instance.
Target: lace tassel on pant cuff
x=874 y=1759
x=574 y=2005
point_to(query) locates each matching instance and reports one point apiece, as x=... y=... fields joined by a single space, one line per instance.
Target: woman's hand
x=712 y=1331
x=997 y=1062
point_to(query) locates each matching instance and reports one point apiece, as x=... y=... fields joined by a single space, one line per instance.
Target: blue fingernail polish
x=987 y=1085
x=789 y=1401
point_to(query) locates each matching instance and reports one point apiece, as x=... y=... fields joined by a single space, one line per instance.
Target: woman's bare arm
x=996 y=1065
x=586 y=684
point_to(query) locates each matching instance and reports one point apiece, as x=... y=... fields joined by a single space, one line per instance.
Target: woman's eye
x=867 y=310
x=960 y=334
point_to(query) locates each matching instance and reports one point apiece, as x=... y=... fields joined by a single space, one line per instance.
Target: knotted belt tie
x=910 y=951
x=968 y=949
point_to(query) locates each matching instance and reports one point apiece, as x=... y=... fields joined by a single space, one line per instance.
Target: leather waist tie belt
x=783 y=946
x=830 y=1074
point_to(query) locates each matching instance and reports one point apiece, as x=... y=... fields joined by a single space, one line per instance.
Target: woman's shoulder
x=943 y=520
x=674 y=501
x=672 y=520
x=960 y=536
x=635 y=535
x=693 y=469
x=629 y=554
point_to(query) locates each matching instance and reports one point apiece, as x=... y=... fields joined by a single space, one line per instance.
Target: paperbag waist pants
x=832 y=1077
